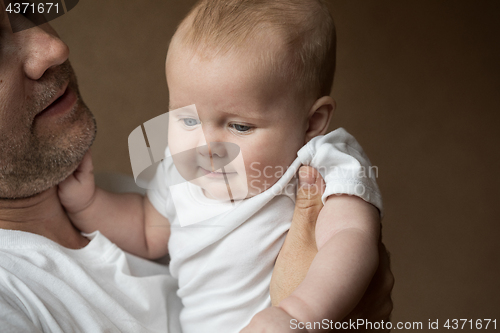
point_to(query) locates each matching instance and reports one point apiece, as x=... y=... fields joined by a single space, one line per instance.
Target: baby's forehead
x=265 y=52
x=267 y=39
x=256 y=63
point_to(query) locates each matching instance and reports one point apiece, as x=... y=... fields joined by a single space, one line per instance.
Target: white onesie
x=224 y=263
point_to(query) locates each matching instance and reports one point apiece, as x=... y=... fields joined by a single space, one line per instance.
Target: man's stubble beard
x=34 y=160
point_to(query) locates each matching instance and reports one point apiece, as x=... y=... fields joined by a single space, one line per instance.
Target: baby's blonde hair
x=307 y=53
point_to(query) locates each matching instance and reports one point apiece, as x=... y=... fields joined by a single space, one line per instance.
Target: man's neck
x=41 y=214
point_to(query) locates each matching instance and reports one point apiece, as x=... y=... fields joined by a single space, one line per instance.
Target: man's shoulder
x=99 y=284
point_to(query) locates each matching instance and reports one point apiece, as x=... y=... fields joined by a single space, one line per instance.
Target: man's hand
x=77 y=191
x=297 y=254
x=299 y=248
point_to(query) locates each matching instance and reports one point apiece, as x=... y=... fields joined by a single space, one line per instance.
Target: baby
x=249 y=84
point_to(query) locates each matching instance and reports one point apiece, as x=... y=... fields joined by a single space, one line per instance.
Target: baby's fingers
x=77 y=191
x=85 y=171
x=86 y=165
x=82 y=175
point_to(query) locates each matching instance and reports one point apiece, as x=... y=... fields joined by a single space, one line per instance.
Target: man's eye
x=241 y=128
x=191 y=121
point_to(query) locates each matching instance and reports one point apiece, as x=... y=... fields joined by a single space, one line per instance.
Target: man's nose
x=44 y=49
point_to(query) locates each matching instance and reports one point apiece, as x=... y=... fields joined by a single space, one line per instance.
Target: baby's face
x=236 y=103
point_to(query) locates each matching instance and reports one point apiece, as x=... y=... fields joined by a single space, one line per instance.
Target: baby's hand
x=77 y=191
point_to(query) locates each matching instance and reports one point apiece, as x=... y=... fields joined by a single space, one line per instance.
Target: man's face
x=45 y=128
x=239 y=103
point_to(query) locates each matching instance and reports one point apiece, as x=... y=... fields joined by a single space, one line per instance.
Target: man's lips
x=61 y=103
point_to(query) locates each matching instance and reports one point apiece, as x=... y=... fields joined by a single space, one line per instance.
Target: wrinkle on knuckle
x=308 y=205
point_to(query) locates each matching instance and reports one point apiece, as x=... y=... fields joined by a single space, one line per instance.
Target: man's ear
x=319 y=117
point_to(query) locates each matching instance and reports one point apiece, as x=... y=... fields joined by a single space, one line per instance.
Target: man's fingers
x=383 y=280
x=299 y=248
x=308 y=202
x=386 y=281
x=385 y=268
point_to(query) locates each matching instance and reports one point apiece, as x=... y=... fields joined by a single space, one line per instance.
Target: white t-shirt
x=224 y=261
x=45 y=287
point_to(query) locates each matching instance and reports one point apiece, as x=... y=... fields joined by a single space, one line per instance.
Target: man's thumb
x=311 y=188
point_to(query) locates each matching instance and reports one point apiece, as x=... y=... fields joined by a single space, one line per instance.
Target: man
x=53 y=278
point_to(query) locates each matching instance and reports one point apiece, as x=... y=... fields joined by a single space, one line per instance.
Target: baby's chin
x=224 y=193
x=233 y=191
x=219 y=191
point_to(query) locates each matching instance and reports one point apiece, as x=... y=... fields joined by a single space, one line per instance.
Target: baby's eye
x=241 y=128
x=191 y=122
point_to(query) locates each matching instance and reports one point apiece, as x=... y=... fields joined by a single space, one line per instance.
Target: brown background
x=417 y=84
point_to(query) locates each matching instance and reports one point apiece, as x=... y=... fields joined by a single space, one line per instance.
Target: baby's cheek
x=265 y=164
x=261 y=177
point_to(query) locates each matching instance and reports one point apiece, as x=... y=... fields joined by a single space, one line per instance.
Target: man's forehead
x=5 y=23
x=3 y=13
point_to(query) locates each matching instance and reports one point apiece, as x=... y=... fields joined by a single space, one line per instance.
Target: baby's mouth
x=221 y=173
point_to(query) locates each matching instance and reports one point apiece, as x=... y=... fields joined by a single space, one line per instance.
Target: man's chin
x=28 y=186
x=44 y=166
x=19 y=193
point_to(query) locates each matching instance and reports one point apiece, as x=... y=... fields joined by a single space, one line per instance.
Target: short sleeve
x=160 y=196
x=343 y=165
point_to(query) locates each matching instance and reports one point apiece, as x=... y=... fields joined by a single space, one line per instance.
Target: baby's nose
x=213 y=150
x=213 y=153
x=223 y=153
x=203 y=150
x=218 y=149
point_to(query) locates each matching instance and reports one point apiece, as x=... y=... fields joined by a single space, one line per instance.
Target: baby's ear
x=319 y=117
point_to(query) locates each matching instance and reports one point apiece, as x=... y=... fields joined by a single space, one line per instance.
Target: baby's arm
x=347 y=231
x=129 y=220
x=347 y=235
